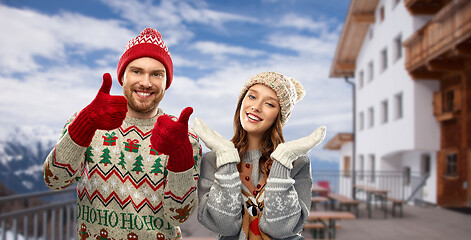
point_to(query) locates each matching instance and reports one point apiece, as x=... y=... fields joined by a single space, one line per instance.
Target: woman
x=257 y=186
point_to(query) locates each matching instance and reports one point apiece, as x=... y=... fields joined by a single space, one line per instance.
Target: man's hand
x=171 y=138
x=105 y=112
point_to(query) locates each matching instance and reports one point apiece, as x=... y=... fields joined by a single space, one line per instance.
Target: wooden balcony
x=427 y=7
x=443 y=45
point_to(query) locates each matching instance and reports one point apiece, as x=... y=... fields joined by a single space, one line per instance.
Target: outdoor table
x=329 y=218
x=318 y=199
x=319 y=191
x=372 y=191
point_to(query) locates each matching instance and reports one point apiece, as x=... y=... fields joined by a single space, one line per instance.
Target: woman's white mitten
x=287 y=152
x=224 y=149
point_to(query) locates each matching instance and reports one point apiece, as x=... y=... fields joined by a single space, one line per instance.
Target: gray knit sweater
x=278 y=210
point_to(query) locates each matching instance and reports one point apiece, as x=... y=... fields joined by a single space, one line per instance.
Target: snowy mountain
x=22 y=154
x=24 y=149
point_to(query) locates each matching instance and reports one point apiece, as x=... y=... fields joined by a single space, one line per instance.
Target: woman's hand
x=287 y=152
x=224 y=149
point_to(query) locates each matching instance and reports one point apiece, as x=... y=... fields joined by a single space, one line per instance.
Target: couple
x=138 y=169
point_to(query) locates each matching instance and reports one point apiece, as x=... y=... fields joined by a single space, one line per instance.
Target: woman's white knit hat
x=288 y=90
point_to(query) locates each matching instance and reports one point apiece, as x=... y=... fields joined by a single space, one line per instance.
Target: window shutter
x=346 y=166
x=441 y=169
x=457 y=99
x=437 y=103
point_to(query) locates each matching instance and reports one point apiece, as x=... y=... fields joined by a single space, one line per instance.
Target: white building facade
x=396 y=129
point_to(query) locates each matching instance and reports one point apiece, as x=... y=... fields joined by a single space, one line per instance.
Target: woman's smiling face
x=259 y=110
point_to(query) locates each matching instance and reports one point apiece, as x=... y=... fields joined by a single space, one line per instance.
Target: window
x=361 y=121
x=397 y=48
x=361 y=76
x=370 y=71
x=426 y=164
x=346 y=166
x=381 y=13
x=362 y=168
x=452 y=164
x=407 y=175
x=447 y=103
x=395 y=3
x=384 y=111
x=371 y=113
x=452 y=99
x=384 y=59
x=449 y=99
x=398 y=106
x=372 y=168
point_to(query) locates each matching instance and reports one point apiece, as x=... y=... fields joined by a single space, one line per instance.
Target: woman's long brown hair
x=273 y=137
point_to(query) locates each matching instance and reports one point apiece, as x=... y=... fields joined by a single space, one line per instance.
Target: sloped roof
x=361 y=14
x=338 y=140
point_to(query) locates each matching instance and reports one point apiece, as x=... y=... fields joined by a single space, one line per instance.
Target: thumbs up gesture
x=171 y=138
x=105 y=112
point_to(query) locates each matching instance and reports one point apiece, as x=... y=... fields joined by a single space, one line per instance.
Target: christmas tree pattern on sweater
x=124 y=186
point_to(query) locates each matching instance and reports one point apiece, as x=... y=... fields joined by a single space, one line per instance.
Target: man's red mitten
x=171 y=138
x=105 y=112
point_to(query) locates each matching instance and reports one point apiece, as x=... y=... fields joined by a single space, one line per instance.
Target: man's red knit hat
x=148 y=44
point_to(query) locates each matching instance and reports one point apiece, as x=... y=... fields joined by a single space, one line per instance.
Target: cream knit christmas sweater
x=124 y=190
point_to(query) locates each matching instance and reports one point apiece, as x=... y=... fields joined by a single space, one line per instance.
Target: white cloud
x=296 y=21
x=50 y=95
x=218 y=49
x=28 y=35
x=313 y=46
x=215 y=95
x=180 y=61
x=200 y=14
x=145 y=13
x=172 y=17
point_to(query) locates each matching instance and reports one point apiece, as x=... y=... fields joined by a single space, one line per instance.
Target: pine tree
x=157 y=167
x=122 y=163
x=89 y=155
x=200 y=154
x=196 y=162
x=105 y=156
x=138 y=165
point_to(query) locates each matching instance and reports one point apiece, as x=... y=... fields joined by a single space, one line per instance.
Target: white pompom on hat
x=288 y=90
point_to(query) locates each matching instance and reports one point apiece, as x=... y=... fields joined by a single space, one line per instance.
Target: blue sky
x=54 y=54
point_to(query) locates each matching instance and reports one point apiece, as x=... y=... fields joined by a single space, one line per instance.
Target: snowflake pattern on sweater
x=123 y=187
x=275 y=210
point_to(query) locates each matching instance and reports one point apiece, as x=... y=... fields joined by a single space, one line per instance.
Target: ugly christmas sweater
x=249 y=205
x=124 y=190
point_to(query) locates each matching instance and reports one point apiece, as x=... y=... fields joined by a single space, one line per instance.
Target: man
x=136 y=167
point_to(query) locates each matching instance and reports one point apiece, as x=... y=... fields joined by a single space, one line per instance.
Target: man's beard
x=147 y=107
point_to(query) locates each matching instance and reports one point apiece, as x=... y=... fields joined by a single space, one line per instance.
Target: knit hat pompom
x=299 y=89
x=151 y=31
x=288 y=90
x=149 y=43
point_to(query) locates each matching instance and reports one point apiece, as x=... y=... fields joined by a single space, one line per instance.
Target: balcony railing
x=400 y=185
x=53 y=218
x=56 y=219
x=427 y=7
x=437 y=45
